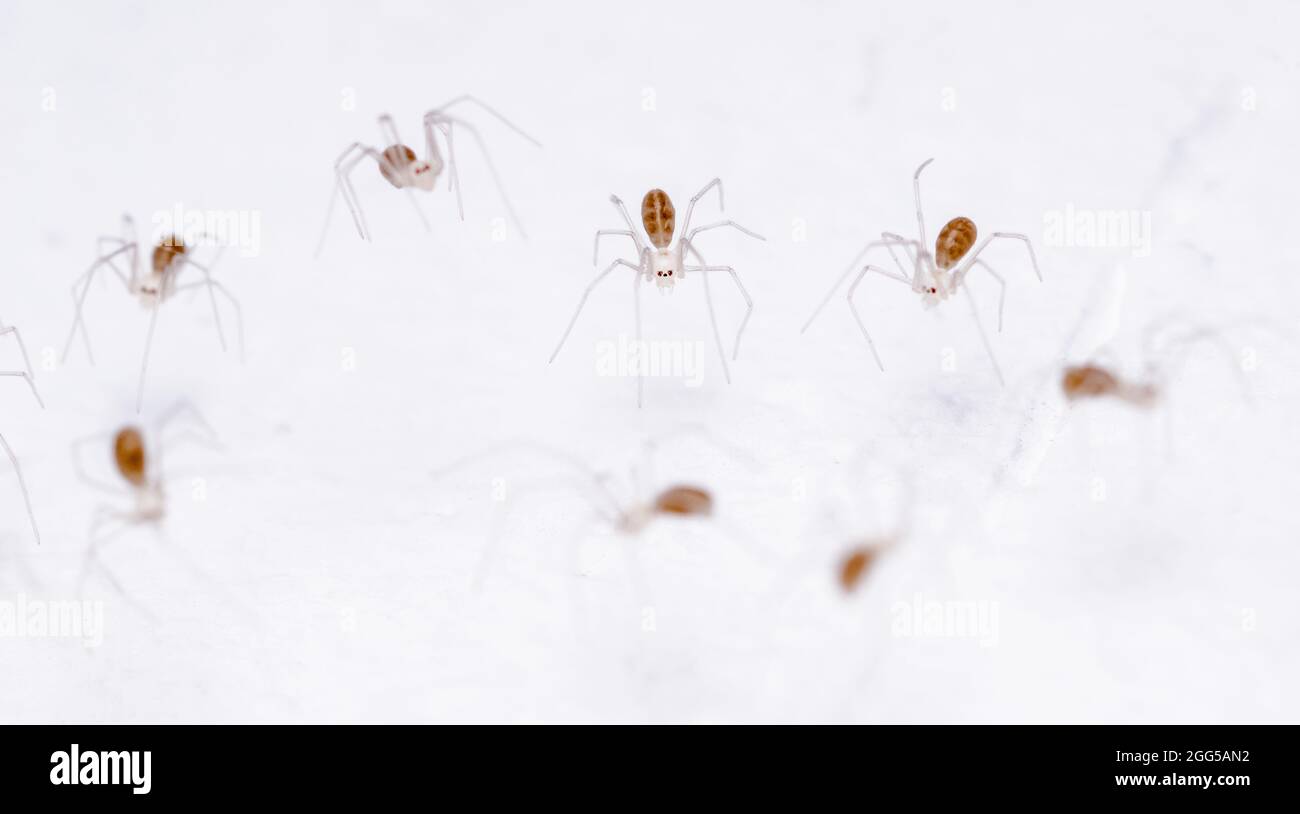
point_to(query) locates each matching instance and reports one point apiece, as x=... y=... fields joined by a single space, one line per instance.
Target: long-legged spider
x=935 y=277
x=606 y=496
x=1165 y=346
x=401 y=167
x=10 y=330
x=666 y=264
x=152 y=287
x=137 y=458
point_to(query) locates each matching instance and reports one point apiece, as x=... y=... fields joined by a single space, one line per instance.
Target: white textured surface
x=338 y=574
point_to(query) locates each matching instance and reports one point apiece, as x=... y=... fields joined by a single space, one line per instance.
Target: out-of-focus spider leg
x=144 y=362
x=22 y=486
x=80 y=300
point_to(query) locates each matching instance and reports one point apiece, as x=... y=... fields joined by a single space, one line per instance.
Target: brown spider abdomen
x=396 y=159
x=167 y=252
x=955 y=239
x=855 y=565
x=128 y=454
x=658 y=217
x=684 y=500
x=1088 y=381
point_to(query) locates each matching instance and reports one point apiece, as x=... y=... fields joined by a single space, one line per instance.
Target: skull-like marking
x=396 y=159
x=955 y=239
x=854 y=566
x=1086 y=381
x=128 y=454
x=167 y=252
x=684 y=500
x=658 y=217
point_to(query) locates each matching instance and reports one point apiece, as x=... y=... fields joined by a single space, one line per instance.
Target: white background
x=1140 y=563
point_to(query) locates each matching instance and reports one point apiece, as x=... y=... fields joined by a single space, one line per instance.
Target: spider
x=13 y=459
x=171 y=256
x=630 y=518
x=401 y=167
x=1093 y=380
x=935 y=277
x=666 y=264
x=137 y=459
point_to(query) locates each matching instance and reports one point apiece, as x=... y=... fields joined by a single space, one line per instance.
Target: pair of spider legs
x=920 y=260
x=29 y=377
x=127 y=248
x=643 y=271
x=436 y=121
x=108 y=522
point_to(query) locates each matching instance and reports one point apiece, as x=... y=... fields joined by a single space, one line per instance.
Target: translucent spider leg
x=437 y=116
x=749 y=306
x=215 y=287
x=583 y=301
x=854 y=308
x=690 y=207
x=79 y=301
x=22 y=348
x=388 y=130
x=916 y=194
x=853 y=266
x=1002 y=289
x=434 y=156
x=636 y=236
x=637 y=348
x=960 y=275
x=22 y=486
x=212 y=297
x=984 y=337
x=148 y=346
x=343 y=167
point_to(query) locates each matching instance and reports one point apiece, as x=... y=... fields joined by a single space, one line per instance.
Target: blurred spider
x=1165 y=346
x=629 y=517
x=137 y=458
x=666 y=264
x=934 y=277
x=401 y=167
x=171 y=256
x=13 y=459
